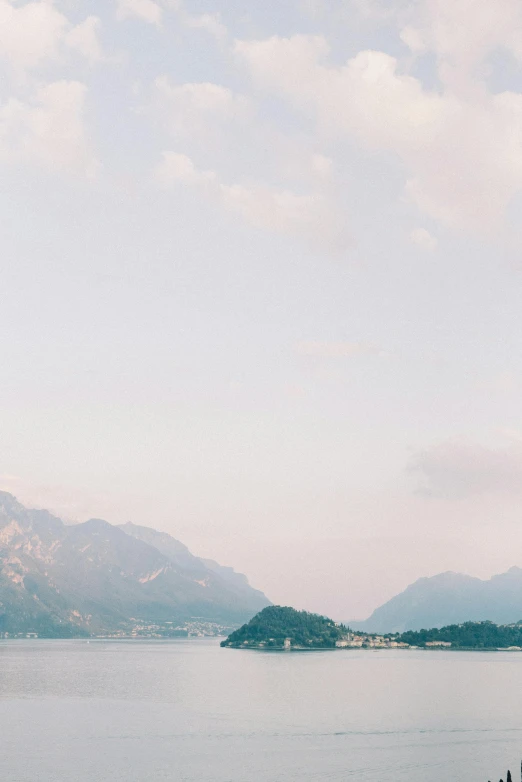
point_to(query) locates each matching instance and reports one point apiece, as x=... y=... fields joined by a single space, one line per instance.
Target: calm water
x=72 y=711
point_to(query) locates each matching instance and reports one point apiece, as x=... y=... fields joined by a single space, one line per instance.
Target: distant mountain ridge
x=179 y=554
x=450 y=598
x=66 y=580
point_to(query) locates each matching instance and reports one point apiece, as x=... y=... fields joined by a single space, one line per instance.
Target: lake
x=130 y=711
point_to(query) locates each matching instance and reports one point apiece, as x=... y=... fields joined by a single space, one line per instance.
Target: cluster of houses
x=18 y=635
x=354 y=641
x=189 y=629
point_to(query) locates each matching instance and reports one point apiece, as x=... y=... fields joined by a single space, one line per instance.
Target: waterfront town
x=354 y=641
x=141 y=629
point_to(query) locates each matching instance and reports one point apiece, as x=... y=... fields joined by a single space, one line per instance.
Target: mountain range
x=449 y=598
x=94 y=577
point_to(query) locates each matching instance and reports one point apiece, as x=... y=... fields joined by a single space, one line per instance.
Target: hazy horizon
x=261 y=282
x=384 y=585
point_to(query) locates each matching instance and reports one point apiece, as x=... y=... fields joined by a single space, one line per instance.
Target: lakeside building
x=353 y=641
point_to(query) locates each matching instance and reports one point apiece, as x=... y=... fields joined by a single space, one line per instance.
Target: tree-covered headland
x=275 y=625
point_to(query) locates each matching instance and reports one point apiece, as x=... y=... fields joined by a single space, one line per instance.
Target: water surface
x=72 y=711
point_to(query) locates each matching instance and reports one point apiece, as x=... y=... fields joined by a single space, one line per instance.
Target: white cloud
x=36 y=32
x=180 y=168
x=210 y=23
x=84 y=39
x=211 y=118
x=413 y=39
x=147 y=10
x=346 y=10
x=456 y=469
x=463 y=32
x=463 y=153
x=423 y=239
x=311 y=217
x=199 y=109
x=49 y=131
x=30 y=33
x=283 y=211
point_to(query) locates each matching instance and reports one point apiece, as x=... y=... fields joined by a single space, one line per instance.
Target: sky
x=261 y=282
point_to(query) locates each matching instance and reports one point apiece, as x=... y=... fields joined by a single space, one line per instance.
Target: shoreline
x=362 y=649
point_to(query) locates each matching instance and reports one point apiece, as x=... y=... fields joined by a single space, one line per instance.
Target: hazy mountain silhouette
x=450 y=598
x=92 y=577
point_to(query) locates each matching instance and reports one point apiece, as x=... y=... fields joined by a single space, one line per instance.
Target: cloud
x=456 y=469
x=462 y=151
x=30 y=33
x=282 y=211
x=180 y=168
x=413 y=39
x=423 y=239
x=207 y=22
x=199 y=109
x=463 y=33
x=84 y=39
x=48 y=131
x=345 y=10
x=318 y=349
x=212 y=119
x=210 y=23
x=37 y=32
x=147 y=10
x=310 y=216
x=322 y=166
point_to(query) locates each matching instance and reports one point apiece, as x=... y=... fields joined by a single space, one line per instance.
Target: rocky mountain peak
x=94 y=577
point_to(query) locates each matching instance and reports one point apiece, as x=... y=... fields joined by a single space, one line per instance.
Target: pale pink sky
x=261 y=281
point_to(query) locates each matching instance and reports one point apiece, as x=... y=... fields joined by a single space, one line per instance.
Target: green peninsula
x=281 y=627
